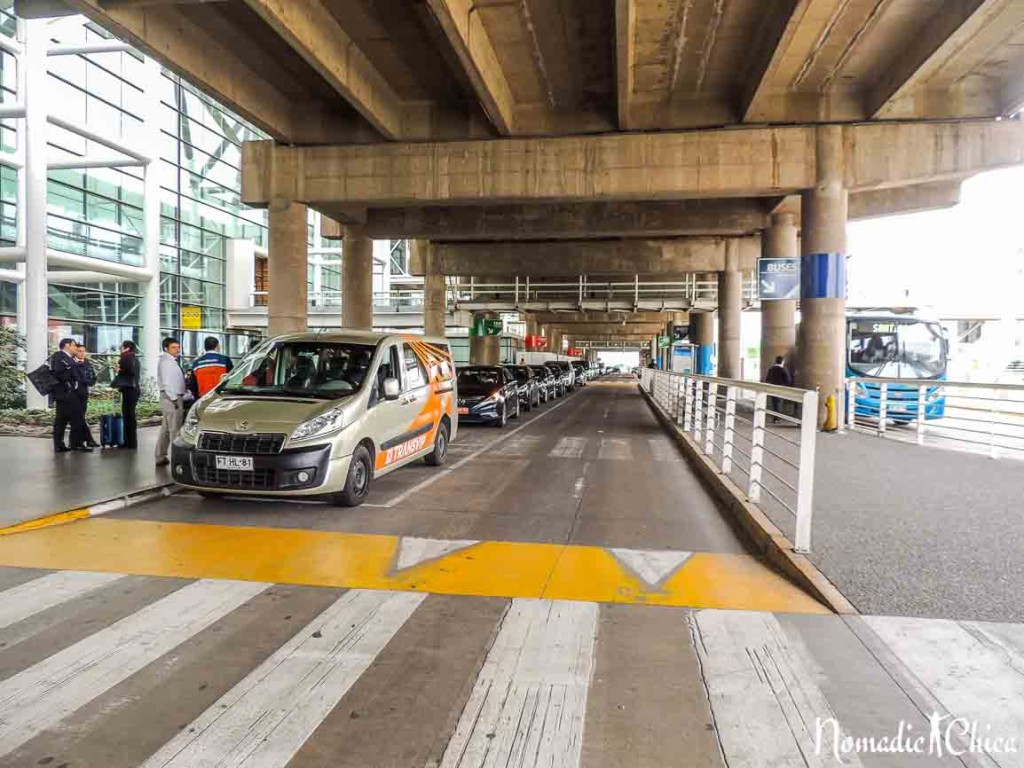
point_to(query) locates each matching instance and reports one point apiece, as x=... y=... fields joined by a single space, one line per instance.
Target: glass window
x=306 y=369
x=413 y=374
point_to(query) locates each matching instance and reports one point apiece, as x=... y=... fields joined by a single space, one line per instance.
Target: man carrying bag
x=64 y=398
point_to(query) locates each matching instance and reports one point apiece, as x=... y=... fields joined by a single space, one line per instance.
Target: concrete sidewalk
x=38 y=482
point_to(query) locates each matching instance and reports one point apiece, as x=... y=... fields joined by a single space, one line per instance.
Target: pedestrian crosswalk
x=238 y=673
x=602 y=447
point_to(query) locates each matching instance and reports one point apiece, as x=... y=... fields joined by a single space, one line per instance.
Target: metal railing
x=761 y=436
x=410 y=300
x=975 y=416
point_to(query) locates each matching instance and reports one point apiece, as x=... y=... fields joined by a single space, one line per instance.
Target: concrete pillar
x=433 y=290
x=555 y=340
x=286 y=268
x=702 y=333
x=356 y=280
x=821 y=339
x=150 y=341
x=35 y=288
x=730 y=304
x=484 y=350
x=778 y=316
x=532 y=326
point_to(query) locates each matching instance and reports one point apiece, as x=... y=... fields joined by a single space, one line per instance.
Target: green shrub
x=12 y=377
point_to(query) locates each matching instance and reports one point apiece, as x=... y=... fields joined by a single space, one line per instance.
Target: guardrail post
x=698 y=409
x=730 y=428
x=688 y=404
x=757 y=446
x=921 y=401
x=883 y=407
x=805 y=474
x=851 y=404
x=711 y=419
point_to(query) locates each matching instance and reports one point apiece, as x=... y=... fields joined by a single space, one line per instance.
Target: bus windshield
x=896 y=349
x=313 y=369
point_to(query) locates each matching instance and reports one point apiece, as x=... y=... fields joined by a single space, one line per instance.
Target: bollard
x=831 y=420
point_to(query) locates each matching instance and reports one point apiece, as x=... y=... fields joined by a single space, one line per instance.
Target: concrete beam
x=748 y=162
x=900 y=200
x=586 y=330
x=313 y=32
x=675 y=218
x=556 y=52
x=188 y=49
x=599 y=257
x=625 y=58
x=935 y=44
x=472 y=45
x=630 y=318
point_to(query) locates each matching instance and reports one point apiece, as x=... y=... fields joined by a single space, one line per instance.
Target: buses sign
x=778 y=278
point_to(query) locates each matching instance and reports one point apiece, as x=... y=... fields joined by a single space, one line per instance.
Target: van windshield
x=322 y=370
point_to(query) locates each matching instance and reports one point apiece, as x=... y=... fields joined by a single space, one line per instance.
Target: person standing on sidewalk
x=85 y=377
x=128 y=383
x=170 y=381
x=210 y=367
x=778 y=375
x=63 y=398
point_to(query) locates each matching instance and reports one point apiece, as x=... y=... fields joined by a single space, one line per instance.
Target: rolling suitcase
x=111 y=431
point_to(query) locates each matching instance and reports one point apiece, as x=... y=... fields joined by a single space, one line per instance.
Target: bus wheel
x=436 y=457
x=357 y=484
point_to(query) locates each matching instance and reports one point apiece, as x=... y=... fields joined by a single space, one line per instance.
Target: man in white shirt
x=170 y=381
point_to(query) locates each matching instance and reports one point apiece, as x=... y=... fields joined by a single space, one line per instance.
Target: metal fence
x=761 y=436
x=980 y=417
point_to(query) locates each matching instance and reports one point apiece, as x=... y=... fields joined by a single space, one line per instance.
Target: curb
x=157 y=491
x=767 y=538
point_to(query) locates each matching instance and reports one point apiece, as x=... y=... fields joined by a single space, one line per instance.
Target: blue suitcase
x=111 y=431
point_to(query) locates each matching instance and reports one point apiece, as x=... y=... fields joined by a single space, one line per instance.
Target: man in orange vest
x=210 y=367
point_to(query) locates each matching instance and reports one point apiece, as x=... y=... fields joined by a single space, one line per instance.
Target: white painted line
x=763 y=690
x=653 y=566
x=975 y=670
x=37 y=698
x=569 y=448
x=267 y=717
x=413 y=550
x=662 y=449
x=615 y=449
x=530 y=698
x=520 y=445
x=148 y=494
x=40 y=594
x=461 y=462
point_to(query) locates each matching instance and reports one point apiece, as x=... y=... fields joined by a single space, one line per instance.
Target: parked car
x=561 y=379
x=319 y=414
x=568 y=373
x=582 y=372
x=529 y=386
x=487 y=394
x=545 y=382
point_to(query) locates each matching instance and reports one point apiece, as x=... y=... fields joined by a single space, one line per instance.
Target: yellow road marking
x=327 y=558
x=44 y=522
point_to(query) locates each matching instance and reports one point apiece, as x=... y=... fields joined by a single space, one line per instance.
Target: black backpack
x=43 y=380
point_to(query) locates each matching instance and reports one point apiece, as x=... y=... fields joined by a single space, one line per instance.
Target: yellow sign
x=191 y=318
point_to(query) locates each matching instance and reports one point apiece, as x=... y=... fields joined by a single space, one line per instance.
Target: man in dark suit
x=85 y=377
x=63 y=397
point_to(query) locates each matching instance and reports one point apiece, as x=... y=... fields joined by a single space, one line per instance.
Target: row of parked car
x=493 y=394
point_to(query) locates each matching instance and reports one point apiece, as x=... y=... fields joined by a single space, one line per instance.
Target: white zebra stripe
x=763 y=690
x=615 y=449
x=529 y=701
x=45 y=693
x=569 y=448
x=38 y=595
x=264 y=720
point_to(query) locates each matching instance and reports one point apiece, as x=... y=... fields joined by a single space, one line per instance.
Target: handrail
x=777 y=467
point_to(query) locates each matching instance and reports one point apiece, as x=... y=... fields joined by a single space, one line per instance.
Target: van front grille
x=257 y=480
x=251 y=445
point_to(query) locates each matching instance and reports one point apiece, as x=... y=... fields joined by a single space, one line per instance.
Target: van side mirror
x=391 y=389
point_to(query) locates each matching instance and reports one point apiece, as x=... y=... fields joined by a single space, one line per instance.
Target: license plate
x=235 y=463
x=463 y=411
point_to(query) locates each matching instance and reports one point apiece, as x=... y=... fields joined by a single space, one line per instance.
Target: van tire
x=437 y=456
x=357 y=483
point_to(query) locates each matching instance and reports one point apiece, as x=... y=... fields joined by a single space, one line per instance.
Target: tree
x=12 y=377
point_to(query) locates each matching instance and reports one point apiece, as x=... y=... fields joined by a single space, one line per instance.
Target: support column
x=730 y=305
x=433 y=290
x=555 y=345
x=357 y=280
x=702 y=332
x=286 y=268
x=821 y=339
x=778 y=316
x=532 y=327
x=150 y=341
x=35 y=288
x=484 y=349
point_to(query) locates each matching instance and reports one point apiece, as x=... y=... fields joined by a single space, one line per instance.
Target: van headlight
x=190 y=429
x=325 y=423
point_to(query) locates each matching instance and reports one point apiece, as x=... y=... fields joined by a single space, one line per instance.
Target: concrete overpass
x=608 y=138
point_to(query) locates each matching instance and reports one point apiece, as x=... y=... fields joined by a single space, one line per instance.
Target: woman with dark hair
x=128 y=381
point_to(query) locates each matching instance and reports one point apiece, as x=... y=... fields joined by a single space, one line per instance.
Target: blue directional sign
x=778 y=278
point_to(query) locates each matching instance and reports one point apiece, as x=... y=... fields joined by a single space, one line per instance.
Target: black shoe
x=61 y=449
x=162 y=462
x=82 y=449
x=92 y=445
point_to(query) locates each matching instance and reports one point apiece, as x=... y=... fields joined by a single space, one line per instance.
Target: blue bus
x=884 y=345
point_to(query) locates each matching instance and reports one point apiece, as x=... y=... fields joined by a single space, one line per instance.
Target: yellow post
x=831 y=421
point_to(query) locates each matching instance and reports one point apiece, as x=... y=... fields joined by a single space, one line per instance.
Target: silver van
x=320 y=414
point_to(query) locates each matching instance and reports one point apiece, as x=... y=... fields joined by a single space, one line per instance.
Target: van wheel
x=357 y=484
x=436 y=457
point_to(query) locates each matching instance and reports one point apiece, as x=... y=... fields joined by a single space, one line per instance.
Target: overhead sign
x=664 y=341
x=535 y=343
x=486 y=326
x=191 y=318
x=680 y=334
x=778 y=278
x=574 y=352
